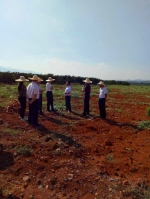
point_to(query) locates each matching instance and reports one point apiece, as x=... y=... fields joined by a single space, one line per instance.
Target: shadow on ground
x=66 y=139
x=6 y=160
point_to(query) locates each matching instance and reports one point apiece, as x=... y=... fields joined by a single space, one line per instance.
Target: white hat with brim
x=101 y=83
x=34 y=78
x=50 y=79
x=87 y=81
x=22 y=79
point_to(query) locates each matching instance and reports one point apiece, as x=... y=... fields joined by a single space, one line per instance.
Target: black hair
x=20 y=86
x=68 y=82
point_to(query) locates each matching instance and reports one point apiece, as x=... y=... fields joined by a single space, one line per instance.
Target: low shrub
x=144 y=125
x=148 y=111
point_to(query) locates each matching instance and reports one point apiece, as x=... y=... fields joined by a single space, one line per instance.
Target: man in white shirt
x=40 y=97
x=49 y=94
x=102 y=99
x=33 y=96
x=67 y=95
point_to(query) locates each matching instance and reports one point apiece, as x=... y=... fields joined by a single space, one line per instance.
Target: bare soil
x=74 y=157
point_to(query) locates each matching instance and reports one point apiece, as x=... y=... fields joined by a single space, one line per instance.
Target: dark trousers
x=33 y=112
x=102 y=108
x=40 y=103
x=68 y=103
x=49 y=96
x=86 y=104
x=22 y=108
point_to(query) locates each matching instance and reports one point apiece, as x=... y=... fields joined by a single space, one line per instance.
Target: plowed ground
x=71 y=157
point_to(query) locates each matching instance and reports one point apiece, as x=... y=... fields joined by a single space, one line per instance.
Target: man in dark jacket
x=86 y=89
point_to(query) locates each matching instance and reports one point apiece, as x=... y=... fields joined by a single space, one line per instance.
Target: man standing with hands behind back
x=33 y=95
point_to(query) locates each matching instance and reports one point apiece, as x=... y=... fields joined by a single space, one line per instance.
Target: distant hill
x=6 y=69
x=137 y=81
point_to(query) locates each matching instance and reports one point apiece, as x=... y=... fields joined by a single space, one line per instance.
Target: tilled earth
x=71 y=157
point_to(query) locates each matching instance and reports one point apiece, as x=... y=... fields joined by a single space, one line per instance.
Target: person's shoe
x=24 y=119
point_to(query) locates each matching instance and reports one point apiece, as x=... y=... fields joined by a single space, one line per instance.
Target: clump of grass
x=110 y=157
x=118 y=110
x=24 y=150
x=75 y=94
x=148 y=111
x=12 y=132
x=144 y=125
x=138 y=192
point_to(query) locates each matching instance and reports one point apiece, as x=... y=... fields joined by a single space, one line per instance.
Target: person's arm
x=67 y=91
x=83 y=88
x=41 y=90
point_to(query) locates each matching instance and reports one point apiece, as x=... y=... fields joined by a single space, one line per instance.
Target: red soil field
x=74 y=157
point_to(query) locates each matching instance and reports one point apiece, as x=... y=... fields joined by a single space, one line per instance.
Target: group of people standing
x=102 y=98
x=33 y=94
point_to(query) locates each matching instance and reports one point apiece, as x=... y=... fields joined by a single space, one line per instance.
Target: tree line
x=10 y=77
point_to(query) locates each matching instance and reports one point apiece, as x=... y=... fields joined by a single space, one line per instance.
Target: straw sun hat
x=87 y=81
x=101 y=83
x=40 y=80
x=34 y=78
x=22 y=79
x=50 y=79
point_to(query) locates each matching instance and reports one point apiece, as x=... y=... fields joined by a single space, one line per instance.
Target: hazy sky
x=107 y=39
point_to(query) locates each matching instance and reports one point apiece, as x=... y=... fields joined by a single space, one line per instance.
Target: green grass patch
x=110 y=157
x=144 y=125
x=12 y=132
x=24 y=150
x=118 y=110
x=148 y=111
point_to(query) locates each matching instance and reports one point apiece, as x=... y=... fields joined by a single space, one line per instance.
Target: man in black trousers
x=33 y=96
x=102 y=100
x=86 y=89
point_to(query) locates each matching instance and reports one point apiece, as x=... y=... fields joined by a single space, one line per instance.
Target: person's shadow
x=54 y=135
x=9 y=197
x=6 y=160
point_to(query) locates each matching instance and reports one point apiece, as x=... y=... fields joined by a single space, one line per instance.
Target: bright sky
x=107 y=39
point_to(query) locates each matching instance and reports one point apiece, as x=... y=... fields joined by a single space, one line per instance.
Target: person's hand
x=30 y=102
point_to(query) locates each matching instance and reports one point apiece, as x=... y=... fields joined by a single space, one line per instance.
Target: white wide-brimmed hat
x=87 y=81
x=22 y=79
x=34 y=78
x=101 y=83
x=50 y=79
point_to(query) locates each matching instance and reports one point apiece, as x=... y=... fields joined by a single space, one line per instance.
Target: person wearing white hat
x=49 y=94
x=67 y=95
x=86 y=89
x=40 y=97
x=22 y=96
x=102 y=99
x=33 y=95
